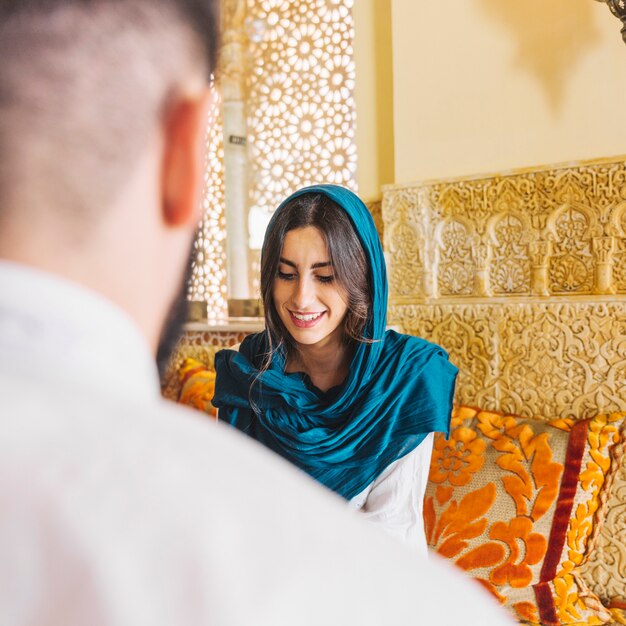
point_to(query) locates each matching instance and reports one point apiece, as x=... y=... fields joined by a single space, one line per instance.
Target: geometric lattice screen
x=301 y=124
x=301 y=113
x=208 y=276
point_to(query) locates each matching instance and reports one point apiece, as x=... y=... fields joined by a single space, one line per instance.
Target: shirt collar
x=66 y=332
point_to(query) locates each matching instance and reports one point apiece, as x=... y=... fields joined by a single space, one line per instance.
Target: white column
x=232 y=81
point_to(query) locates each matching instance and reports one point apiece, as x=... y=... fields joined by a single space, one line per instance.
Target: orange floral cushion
x=197 y=386
x=517 y=503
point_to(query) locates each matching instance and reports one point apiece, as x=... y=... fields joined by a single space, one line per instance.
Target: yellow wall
x=487 y=85
x=373 y=96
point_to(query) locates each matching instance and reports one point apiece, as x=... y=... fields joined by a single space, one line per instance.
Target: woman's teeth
x=306 y=318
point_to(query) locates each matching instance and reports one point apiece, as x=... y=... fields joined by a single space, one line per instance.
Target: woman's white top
x=395 y=499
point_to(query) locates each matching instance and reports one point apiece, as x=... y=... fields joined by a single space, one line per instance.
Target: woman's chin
x=315 y=336
x=306 y=337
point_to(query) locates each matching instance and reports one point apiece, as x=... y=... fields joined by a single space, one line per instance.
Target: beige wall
x=487 y=85
x=373 y=96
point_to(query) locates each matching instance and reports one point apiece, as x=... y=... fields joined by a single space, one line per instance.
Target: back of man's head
x=82 y=86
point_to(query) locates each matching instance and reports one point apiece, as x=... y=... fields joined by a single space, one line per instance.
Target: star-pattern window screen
x=301 y=125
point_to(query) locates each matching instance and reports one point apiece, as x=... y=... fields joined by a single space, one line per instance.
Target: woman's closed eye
x=286 y=275
x=319 y=277
x=326 y=279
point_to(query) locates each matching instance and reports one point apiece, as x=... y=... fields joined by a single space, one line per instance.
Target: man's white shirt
x=117 y=507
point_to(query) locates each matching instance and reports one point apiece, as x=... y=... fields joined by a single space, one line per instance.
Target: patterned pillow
x=197 y=386
x=517 y=503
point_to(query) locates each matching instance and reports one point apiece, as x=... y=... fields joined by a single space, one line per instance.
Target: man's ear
x=183 y=159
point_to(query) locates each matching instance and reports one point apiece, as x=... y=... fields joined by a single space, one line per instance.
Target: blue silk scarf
x=399 y=388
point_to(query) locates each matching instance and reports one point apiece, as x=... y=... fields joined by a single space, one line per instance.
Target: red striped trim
x=616 y=604
x=565 y=502
x=545 y=604
x=560 y=522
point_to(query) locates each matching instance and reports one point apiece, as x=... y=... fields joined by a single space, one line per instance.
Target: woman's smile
x=306 y=320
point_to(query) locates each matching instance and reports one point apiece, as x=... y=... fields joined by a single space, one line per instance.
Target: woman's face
x=306 y=295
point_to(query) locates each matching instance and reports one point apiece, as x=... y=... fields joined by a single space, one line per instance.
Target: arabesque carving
x=554 y=231
x=456 y=265
x=469 y=334
x=605 y=571
x=376 y=209
x=532 y=359
x=571 y=262
x=510 y=269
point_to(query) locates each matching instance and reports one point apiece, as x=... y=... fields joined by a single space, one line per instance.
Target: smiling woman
x=308 y=300
x=326 y=385
x=314 y=273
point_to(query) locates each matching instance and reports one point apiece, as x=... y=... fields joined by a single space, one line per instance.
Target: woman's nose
x=304 y=293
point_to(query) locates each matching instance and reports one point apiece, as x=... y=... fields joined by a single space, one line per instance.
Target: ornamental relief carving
x=532 y=359
x=509 y=271
x=619 y=255
x=571 y=262
x=605 y=571
x=558 y=231
x=456 y=268
x=405 y=243
x=469 y=336
x=375 y=208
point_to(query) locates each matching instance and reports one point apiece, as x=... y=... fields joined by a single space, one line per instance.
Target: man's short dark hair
x=82 y=86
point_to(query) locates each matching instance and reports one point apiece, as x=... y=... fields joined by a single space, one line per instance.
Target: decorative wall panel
x=554 y=231
x=472 y=263
x=605 y=572
x=469 y=334
x=375 y=207
x=531 y=359
x=509 y=270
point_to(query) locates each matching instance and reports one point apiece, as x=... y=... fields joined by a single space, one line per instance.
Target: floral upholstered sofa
x=522 y=278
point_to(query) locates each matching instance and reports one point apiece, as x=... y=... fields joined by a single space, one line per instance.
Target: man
x=116 y=507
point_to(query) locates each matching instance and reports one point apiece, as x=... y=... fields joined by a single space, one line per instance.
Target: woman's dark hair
x=346 y=254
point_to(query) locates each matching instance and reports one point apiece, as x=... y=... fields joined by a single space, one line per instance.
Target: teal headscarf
x=399 y=388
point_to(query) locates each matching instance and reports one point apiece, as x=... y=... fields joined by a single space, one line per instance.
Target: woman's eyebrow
x=315 y=266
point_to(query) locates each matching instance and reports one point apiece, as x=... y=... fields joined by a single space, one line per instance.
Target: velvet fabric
x=518 y=502
x=399 y=388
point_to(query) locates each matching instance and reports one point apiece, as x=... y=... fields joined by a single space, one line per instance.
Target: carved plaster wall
x=547 y=359
x=605 y=572
x=521 y=277
x=537 y=232
x=376 y=209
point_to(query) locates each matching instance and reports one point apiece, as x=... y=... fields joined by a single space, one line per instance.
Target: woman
x=325 y=385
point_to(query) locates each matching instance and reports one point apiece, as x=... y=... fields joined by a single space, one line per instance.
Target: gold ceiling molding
x=536 y=232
